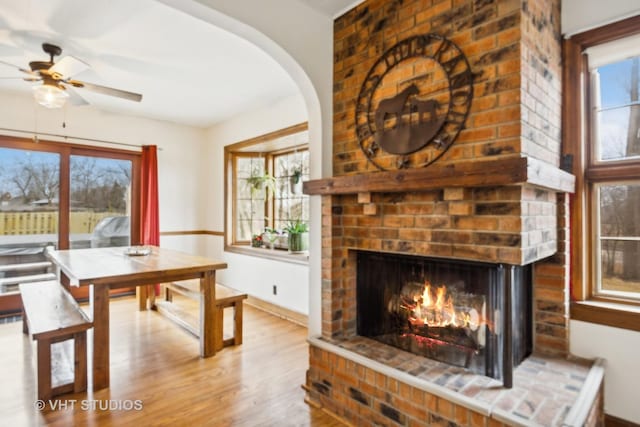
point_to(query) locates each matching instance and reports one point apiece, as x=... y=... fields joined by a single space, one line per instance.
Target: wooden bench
x=225 y=298
x=51 y=315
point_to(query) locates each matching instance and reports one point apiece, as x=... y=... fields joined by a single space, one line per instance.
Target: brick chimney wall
x=514 y=51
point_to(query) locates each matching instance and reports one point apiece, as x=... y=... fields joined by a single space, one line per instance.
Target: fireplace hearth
x=469 y=314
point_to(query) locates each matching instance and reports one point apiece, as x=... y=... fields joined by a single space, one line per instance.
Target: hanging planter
x=259 y=183
x=295 y=180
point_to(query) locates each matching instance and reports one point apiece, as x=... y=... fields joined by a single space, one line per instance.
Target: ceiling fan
x=56 y=80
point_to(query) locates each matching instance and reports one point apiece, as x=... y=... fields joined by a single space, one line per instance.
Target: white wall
x=620 y=348
x=253 y=275
x=582 y=15
x=180 y=148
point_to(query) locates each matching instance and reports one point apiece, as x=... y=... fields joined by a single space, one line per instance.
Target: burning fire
x=435 y=308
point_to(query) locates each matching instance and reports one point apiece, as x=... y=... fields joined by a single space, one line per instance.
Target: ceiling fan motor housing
x=40 y=65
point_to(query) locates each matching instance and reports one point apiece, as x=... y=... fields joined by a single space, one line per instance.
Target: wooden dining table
x=103 y=269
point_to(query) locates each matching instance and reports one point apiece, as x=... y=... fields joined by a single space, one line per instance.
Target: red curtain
x=149 y=221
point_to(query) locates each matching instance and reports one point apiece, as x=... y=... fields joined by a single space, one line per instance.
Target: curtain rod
x=73 y=137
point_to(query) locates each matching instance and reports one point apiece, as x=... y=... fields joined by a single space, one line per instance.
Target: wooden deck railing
x=16 y=223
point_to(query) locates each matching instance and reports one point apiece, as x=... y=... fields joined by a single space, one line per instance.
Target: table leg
x=142 y=295
x=100 y=310
x=208 y=320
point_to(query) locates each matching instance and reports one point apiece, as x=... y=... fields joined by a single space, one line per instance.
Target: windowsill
x=607 y=313
x=274 y=254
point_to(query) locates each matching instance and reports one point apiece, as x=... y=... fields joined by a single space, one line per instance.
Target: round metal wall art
x=413 y=102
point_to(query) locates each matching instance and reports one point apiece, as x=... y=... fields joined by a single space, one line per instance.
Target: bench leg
x=237 y=320
x=219 y=333
x=80 y=362
x=151 y=295
x=168 y=294
x=43 y=374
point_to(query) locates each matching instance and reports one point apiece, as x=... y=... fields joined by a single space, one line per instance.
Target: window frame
x=579 y=146
x=261 y=146
x=234 y=183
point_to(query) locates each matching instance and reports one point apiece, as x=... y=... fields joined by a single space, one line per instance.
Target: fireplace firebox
x=470 y=314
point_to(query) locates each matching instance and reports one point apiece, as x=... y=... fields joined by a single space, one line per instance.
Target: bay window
x=264 y=178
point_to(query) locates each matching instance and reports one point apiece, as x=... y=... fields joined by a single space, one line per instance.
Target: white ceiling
x=188 y=71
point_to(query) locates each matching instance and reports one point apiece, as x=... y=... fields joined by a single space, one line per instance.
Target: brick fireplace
x=497 y=195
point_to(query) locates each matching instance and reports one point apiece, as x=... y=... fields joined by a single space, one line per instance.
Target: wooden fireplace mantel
x=486 y=173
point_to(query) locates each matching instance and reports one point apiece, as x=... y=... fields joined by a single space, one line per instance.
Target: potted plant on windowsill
x=272 y=236
x=298 y=236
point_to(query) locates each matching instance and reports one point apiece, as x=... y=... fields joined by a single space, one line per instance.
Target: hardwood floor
x=158 y=379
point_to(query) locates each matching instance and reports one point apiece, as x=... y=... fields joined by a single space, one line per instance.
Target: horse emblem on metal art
x=417 y=124
x=413 y=122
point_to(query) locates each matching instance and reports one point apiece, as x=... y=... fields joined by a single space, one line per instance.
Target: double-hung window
x=613 y=169
x=602 y=136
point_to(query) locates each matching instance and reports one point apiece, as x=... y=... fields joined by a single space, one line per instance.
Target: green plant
x=256 y=241
x=296 y=227
x=271 y=235
x=296 y=174
x=261 y=182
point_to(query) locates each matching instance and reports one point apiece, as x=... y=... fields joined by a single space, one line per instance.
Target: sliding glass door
x=63 y=196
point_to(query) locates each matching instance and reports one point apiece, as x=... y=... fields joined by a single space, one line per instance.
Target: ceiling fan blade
x=24 y=70
x=106 y=90
x=75 y=98
x=69 y=66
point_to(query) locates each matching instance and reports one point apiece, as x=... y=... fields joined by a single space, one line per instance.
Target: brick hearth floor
x=544 y=388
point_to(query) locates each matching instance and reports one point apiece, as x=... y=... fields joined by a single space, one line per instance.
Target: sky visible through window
x=613 y=119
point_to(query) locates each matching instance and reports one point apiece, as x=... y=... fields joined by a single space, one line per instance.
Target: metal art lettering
x=413 y=103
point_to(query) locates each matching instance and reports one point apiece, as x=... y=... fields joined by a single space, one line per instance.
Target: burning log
x=443 y=313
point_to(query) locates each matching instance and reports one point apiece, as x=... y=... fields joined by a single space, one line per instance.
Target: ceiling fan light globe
x=50 y=96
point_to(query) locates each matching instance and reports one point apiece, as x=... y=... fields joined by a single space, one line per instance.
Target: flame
x=436 y=308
